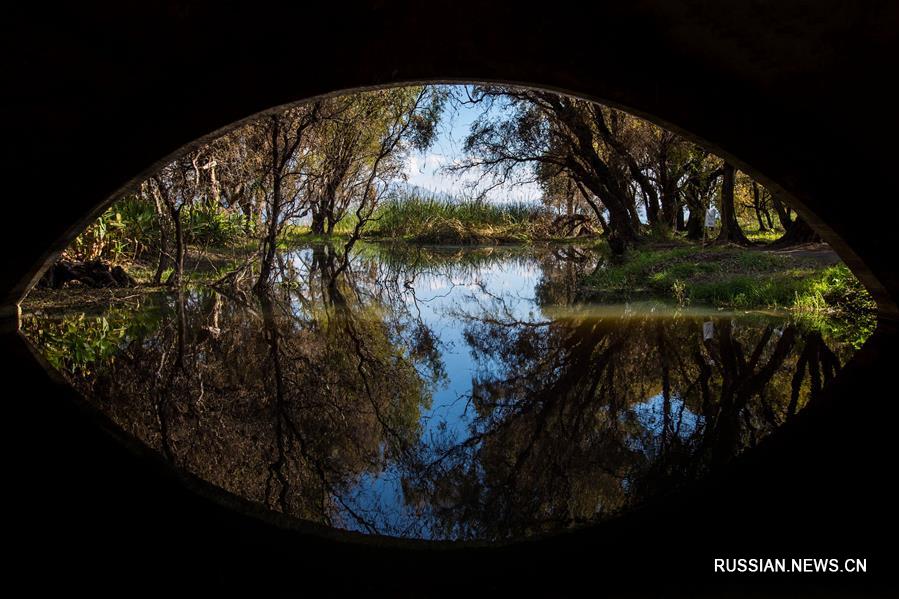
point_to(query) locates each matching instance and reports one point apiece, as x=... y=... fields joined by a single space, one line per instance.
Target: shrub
x=212 y=226
x=125 y=230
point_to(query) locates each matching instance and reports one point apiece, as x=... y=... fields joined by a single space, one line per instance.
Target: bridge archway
x=102 y=94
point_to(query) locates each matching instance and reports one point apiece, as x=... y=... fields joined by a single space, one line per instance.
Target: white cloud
x=423 y=170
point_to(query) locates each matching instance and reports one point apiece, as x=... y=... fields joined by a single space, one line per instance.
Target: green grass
x=753 y=233
x=835 y=300
x=735 y=278
x=655 y=270
x=428 y=220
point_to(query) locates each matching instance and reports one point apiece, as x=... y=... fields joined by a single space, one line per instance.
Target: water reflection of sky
x=440 y=297
x=651 y=416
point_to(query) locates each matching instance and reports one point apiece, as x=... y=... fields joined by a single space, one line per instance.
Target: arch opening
x=604 y=201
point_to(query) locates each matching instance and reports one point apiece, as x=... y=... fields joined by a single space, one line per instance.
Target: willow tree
x=538 y=134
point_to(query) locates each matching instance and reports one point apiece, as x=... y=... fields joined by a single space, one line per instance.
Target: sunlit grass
x=755 y=235
x=734 y=278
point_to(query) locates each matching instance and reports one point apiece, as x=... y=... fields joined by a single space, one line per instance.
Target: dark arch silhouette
x=797 y=94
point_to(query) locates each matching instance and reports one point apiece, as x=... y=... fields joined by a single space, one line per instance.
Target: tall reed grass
x=437 y=220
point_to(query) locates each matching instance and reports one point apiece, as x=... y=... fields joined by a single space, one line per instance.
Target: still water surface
x=439 y=393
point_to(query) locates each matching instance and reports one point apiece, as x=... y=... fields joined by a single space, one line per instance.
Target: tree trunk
x=164 y=197
x=318 y=221
x=758 y=218
x=800 y=232
x=630 y=204
x=669 y=208
x=757 y=205
x=695 y=223
x=164 y=257
x=768 y=217
x=177 y=274
x=597 y=212
x=652 y=210
x=668 y=195
x=783 y=214
x=622 y=233
x=730 y=228
x=693 y=198
x=269 y=244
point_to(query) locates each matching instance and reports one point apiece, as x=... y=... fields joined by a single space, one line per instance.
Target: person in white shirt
x=711 y=217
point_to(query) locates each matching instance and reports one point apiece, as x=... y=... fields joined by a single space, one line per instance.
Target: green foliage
x=679 y=291
x=835 y=300
x=741 y=279
x=212 y=226
x=428 y=220
x=747 y=291
x=460 y=262
x=77 y=341
x=73 y=344
x=129 y=233
x=127 y=229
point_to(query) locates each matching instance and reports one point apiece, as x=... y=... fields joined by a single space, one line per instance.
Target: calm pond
x=438 y=393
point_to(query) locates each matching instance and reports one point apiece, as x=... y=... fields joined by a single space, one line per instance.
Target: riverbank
x=809 y=280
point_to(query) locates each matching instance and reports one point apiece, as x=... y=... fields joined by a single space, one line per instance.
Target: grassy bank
x=808 y=283
x=443 y=222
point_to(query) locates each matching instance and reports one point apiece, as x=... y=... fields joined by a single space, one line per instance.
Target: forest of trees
x=629 y=175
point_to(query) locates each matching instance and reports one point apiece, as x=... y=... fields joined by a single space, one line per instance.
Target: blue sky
x=423 y=168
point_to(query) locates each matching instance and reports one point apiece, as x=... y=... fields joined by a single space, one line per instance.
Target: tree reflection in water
x=458 y=394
